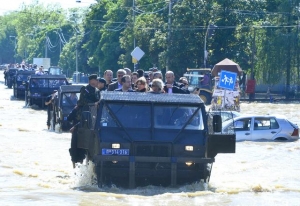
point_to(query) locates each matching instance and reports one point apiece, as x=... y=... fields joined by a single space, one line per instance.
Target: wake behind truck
x=137 y=139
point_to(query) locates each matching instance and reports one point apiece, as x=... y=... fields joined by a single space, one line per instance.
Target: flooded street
x=35 y=167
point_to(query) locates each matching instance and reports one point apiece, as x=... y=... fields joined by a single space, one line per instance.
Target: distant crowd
x=139 y=81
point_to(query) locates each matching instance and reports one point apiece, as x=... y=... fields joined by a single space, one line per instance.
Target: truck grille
x=152 y=150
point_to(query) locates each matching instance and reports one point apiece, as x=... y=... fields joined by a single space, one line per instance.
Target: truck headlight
x=189 y=163
x=189 y=148
x=115 y=146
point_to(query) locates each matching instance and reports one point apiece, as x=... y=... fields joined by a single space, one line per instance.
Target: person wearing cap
x=101 y=86
x=88 y=93
x=49 y=103
x=87 y=96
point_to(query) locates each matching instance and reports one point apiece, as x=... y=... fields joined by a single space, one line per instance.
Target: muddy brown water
x=35 y=167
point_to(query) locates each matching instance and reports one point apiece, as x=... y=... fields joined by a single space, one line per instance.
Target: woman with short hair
x=141 y=85
x=157 y=86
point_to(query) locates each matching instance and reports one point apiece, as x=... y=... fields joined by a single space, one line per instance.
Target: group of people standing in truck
x=125 y=81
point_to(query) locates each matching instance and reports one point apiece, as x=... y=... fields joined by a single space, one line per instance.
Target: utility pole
x=77 y=75
x=251 y=95
x=133 y=14
x=169 y=36
x=288 y=59
x=46 y=49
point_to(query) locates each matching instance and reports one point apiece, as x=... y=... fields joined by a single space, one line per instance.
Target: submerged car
x=261 y=127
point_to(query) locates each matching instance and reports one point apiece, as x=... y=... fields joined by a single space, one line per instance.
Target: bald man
x=173 y=87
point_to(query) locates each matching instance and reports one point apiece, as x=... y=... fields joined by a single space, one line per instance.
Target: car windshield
x=139 y=116
x=22 y=77
x=47 y=83
x=69 y=99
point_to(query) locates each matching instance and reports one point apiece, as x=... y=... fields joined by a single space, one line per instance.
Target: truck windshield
x=177 y=116
x=22 y=77
x=139 y=116
x=130 y=116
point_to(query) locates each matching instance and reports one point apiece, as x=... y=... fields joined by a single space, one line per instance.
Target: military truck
x=195 y=76
x=64 y=103
x=20 y=81
x=10 y=76
x=40 y=86
x=137 y=139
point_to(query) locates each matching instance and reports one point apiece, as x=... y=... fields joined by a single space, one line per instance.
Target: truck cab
x=144 y=138
x=20 y=80
x=64 y=103
x=40 y=86
x=196 y=79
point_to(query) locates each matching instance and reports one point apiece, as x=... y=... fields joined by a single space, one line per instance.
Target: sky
x=14 y=5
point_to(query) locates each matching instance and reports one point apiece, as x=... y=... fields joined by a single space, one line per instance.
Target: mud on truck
x=137 y=139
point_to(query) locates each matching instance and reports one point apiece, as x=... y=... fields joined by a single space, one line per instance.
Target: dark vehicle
x=20 y=82
x=142 y=138
x=195 y=78
x=10 y=77
x=64 y=103
x=82 y=78
x=41 y=86
x=53 y=70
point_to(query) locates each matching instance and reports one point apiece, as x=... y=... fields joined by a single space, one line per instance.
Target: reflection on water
x=35 y=168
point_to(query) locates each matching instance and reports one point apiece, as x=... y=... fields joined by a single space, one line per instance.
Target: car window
x=274 y=124
x=264 y=123
x=242 y=124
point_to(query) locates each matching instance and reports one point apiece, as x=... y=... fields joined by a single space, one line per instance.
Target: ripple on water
x=18 y=172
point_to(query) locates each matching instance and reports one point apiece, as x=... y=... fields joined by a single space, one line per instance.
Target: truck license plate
x=115 y=151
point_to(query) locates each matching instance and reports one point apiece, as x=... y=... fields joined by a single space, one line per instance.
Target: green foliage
x=262 y=35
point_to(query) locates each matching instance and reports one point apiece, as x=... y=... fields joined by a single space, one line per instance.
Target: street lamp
x=15 y=46
x=209 y=32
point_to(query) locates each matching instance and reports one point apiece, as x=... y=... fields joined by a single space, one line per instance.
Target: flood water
x=35 y=167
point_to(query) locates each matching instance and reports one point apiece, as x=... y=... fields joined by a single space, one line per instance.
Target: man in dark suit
x=172 y=86
x=118 y=83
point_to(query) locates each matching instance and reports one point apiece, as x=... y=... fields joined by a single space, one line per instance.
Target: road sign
x=137 y=53
x=227 y=80
x=134 y=60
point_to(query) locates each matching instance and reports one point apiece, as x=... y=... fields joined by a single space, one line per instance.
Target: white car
x=261 y=127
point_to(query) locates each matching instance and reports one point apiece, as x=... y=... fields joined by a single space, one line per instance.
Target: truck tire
x=15 y=92
x=206 y=97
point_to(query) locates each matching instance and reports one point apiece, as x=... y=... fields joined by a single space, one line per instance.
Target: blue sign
x=227 y=80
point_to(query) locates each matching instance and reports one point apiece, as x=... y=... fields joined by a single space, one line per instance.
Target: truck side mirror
x=217 y=123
